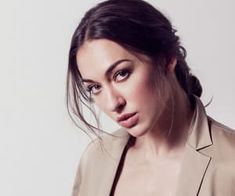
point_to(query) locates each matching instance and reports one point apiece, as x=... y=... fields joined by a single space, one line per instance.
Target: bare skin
x=158 y=177
x=152 y=164
x=162 y=115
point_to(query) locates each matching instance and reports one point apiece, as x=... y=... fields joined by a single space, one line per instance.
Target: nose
x=115 y=101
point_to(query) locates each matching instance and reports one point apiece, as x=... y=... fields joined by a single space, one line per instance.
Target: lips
x=128 y=120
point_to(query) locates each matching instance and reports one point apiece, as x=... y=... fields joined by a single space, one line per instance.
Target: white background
x=39 y=146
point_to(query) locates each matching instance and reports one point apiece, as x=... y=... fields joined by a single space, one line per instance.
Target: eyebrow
x=109 y=70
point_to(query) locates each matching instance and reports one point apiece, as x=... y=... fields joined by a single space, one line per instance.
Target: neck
x=168 y=137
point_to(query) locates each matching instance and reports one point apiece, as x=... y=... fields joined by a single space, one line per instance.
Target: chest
x=148 y=179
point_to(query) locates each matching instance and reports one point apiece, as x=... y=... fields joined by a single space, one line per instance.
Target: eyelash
x=124 y=72
x=90 y=88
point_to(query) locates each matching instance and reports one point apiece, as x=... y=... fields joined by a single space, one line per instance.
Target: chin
x=137 y=131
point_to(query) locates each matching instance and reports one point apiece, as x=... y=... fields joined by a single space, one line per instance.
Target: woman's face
x=122 y=85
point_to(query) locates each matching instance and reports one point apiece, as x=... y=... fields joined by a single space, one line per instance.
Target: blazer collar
x=199 y=129
x=111 y=159
x=194 y=163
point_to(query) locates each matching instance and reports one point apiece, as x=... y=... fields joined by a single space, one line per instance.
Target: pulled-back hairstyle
x=138 y=27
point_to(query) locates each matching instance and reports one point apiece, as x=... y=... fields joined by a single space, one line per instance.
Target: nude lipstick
x=128 y=120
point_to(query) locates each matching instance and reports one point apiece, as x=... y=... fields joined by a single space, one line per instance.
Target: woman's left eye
x=121 y=75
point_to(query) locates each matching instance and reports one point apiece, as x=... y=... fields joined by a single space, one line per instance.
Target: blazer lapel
x=192 y=173
x=111 y=159
x=195 y=163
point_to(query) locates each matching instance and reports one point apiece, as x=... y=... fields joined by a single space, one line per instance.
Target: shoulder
x=104 y=149
x=100 y=154
x=223 y=141
x=222 y=158
x=221 y=134
x=106 y=143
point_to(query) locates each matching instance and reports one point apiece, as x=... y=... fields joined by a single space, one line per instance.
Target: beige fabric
x=208 y=167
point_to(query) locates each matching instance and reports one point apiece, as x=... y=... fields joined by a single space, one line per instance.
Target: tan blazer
x=208 y=166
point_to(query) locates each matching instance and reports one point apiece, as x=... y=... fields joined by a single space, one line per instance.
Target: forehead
x=96 y=56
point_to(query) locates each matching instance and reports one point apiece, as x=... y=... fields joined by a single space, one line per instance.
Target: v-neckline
x=130 y=143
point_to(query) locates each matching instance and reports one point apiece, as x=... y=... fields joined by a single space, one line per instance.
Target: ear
x=171 y=66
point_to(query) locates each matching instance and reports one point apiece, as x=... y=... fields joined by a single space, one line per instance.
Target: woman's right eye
x=93 y=89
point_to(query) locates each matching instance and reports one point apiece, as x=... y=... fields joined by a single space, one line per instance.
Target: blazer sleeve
x=80 y=183
x=80 y=174
x=78 y=179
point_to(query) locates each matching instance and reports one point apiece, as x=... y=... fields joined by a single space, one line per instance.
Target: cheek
x=100 y=103
x=145 y=85
x=142 y=90
x=147 y=94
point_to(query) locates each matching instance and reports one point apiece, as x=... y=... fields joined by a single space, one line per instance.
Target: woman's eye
x=121 y=75
x=94 y=89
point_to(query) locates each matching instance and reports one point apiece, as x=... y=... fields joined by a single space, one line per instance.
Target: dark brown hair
x=138 y=27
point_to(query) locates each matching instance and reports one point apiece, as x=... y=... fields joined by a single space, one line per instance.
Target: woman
x=126 y=58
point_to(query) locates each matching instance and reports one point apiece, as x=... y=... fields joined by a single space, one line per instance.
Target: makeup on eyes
x=121 y=75
x=118 y=73
x=90 y=88
x=123 y=69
